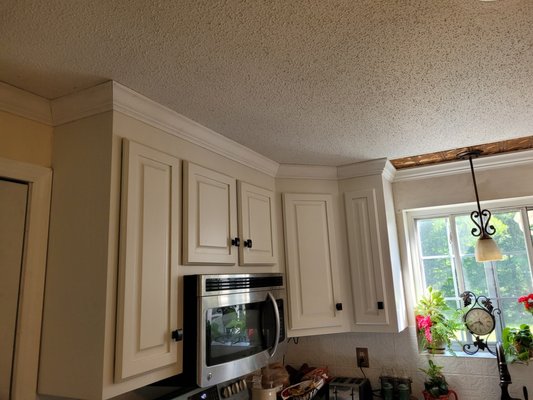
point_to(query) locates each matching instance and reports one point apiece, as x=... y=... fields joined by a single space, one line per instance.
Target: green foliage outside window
x=446 y=256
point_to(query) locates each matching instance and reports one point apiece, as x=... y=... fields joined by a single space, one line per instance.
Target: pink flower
x=424 y=323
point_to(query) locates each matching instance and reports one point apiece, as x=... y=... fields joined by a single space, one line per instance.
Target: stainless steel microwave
x=232 y=324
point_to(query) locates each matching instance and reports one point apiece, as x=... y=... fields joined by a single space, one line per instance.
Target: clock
x=479 y=321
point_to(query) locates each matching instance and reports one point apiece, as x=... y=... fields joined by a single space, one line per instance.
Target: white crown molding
x=142 y=108
x=27 y=105
x=379 y=166
x=82 y=104
x=114 y=96
x=297 y=171
x=456 y=167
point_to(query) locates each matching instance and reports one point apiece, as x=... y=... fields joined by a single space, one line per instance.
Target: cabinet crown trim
x=379 y=166
x=112 y=96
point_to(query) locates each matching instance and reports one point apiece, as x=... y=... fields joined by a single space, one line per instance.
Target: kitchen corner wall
x=25 y=140
x=473 y=378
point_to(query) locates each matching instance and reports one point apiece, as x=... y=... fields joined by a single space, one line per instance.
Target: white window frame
x=410 y=217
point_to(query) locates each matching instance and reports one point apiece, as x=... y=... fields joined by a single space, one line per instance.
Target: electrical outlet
x=362 y=357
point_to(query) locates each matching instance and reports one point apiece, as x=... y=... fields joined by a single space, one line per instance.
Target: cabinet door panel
x=366 y=266
x=210 y=220
x=311 y=261
x=256 y=223
x=147 y=298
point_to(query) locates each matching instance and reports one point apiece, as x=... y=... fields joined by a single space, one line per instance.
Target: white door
x=256 y=225
x=312 y=266
x=147 y=312
x=13 y=203
x=209 y=216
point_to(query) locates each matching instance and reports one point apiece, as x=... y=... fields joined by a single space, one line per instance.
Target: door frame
x=29 y=316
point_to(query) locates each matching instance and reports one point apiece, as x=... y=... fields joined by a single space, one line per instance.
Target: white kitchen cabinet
x=148 y=270
x=209 y=216
x=377 y=288
x=311 y=264
x=215 y=231
x=111 y=300
x=256 y=225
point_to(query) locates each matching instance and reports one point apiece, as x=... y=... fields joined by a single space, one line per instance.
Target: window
x=443 y=255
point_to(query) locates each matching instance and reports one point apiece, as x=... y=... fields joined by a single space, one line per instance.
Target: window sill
x=461 y=354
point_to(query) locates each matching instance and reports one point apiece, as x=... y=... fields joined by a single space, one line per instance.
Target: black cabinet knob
x=177 y=335
x=381 y=306
x=338 y=306
x=248 y=243
x=236 y=242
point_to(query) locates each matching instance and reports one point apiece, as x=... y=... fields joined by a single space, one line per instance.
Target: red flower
x=528 y=302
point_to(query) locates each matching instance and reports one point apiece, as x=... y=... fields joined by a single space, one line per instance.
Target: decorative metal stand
x=484 y=305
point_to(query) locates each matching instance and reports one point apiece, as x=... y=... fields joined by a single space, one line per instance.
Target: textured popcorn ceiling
x=300 y=81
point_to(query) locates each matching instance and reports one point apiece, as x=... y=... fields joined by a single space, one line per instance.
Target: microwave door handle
x=278 y=323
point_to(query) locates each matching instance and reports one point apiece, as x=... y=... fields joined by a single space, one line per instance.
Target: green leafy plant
x=437 y=324
x=517 y=343
x=435 y=383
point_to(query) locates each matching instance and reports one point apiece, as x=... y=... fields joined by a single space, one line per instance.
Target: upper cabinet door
x=366 y=260
x=147 y=311
x=256 y=225
x=312 y=266
x=209 y=216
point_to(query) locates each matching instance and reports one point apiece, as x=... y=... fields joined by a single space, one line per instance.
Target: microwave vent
x=250 y=282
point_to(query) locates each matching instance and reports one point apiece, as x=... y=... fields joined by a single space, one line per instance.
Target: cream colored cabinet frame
x=147 y=301
x=209 y=216
x=312 y=266
x=256 y=225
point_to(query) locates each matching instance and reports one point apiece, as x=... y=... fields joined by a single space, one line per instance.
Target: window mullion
x=527 y=237
x=453 y=241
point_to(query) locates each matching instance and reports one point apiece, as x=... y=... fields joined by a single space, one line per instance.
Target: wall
x=25 y=140
x=472 y=377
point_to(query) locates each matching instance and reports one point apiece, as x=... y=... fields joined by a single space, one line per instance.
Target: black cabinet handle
x=338 y=306
x=380 y=305
x=236 y=242
x=177 y=335
x=248 y=243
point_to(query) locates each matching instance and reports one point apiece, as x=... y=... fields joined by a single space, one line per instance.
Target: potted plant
x=435 y=385
x=437 y=324
x=518 y=343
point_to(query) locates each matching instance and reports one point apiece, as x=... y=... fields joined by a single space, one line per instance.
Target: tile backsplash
x=473 y=378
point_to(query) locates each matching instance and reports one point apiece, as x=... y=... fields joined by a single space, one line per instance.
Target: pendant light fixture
x=486 y=247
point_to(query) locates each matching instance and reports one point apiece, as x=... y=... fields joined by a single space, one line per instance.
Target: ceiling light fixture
x=486 y=247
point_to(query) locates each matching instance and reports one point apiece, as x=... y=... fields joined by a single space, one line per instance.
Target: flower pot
x=450 y=395
x=436 y=347
x=519 y=349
